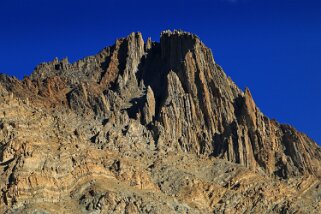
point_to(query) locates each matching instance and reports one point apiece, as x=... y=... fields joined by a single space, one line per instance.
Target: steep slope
x=148 y=128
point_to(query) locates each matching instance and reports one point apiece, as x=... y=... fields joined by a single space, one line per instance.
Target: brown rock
x=148 y=128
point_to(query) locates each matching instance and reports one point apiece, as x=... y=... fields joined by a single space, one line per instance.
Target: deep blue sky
x=271 y=46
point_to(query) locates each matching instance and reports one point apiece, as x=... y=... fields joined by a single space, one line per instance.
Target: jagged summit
x=143 y=121
x=179 y=33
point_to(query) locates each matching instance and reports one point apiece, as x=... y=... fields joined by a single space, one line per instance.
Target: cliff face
x=148 y=128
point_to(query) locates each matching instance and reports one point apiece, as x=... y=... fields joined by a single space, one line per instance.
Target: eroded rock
x=148 y=128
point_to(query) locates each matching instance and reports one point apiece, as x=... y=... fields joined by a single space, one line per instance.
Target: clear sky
x=271 y=46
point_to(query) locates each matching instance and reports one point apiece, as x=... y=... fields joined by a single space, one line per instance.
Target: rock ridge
x=148 y=127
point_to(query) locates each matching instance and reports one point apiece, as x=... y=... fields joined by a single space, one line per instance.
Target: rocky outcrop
x=148 y=128
x=149 y=107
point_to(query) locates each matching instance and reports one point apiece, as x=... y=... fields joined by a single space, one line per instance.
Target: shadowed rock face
x=148 y=128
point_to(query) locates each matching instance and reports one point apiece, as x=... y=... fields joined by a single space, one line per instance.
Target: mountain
x=148 y=127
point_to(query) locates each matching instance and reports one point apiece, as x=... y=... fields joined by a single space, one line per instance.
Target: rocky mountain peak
x=130 y=112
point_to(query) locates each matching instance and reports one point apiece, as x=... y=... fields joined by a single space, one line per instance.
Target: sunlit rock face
x=147 y=127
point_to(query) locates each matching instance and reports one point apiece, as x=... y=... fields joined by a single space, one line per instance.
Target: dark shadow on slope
x=137 y=105
x=151 y=71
